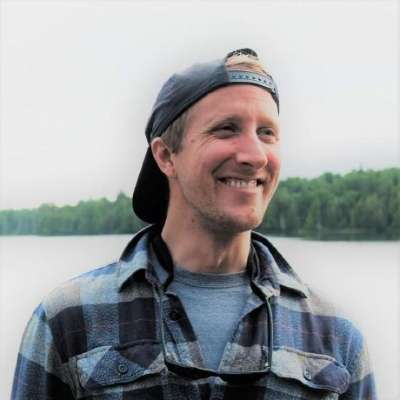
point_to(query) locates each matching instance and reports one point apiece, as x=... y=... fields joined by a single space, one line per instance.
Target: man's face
x=227 y=170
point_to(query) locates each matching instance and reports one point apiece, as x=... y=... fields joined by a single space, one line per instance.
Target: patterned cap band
x=236 y=76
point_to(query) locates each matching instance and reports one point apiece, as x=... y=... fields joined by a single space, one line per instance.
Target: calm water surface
x=361 y=278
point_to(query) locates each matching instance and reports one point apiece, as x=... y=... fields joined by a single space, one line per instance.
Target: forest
x=362 y=204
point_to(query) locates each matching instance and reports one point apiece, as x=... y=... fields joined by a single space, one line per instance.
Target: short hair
x=173 y=135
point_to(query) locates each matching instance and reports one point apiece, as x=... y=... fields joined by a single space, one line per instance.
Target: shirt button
x=307 y=374
x=122 y=368
x=174 y=315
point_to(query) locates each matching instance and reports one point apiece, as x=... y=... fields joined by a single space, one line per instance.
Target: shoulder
x=100 y=286
x=319 y=326
x=93 y=287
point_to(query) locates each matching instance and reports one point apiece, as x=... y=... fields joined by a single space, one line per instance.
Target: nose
x=251 y=151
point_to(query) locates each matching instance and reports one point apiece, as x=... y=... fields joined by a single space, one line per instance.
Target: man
x=198 y=306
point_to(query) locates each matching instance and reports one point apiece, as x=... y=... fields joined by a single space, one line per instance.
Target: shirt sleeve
x=39 y=373
x=362 y=383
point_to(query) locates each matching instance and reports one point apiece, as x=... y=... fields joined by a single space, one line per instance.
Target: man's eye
x=266 y=132
x=226 y=128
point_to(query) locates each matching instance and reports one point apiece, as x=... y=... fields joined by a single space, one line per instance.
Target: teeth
x=240 y=183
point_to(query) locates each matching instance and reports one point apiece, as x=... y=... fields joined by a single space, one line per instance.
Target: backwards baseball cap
x=179 y=93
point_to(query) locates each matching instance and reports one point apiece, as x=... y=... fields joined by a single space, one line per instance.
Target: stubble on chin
x=222 y=224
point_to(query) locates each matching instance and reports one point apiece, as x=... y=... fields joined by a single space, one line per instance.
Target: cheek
x=218 y=155
x=274 y=160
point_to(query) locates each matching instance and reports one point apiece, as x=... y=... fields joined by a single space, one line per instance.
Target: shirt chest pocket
x=309 y=376
x=105 y=371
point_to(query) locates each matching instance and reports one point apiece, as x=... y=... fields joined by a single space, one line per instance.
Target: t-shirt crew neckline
x=210 y=280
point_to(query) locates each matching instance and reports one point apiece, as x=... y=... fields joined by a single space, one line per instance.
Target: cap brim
x=150 y=196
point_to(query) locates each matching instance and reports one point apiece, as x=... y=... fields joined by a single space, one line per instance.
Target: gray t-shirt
x=213 y=303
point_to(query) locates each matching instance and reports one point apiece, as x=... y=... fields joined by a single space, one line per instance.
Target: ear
x=163 y=157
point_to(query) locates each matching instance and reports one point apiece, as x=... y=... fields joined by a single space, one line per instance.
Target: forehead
x=239 y=100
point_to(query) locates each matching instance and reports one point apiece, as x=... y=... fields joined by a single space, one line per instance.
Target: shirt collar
x=273 y=268
x=135 y=256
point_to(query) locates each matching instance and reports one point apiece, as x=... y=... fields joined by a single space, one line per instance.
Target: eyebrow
x=219 y=121
x=215 y=121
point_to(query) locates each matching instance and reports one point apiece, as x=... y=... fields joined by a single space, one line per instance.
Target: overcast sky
x=78 y=79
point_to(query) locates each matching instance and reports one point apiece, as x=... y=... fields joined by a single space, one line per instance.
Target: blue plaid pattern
x=98 y=337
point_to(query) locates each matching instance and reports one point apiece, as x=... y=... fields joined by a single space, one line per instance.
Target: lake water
x=360 y=277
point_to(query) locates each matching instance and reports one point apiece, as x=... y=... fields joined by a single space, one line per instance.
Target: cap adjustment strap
x=252 y=77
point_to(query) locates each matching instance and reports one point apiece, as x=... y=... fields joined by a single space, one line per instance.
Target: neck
x=200 y=249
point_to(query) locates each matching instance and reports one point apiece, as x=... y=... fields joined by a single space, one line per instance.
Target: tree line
x=359 y=204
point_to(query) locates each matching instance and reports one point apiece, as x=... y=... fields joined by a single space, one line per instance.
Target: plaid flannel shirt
x=98 y=337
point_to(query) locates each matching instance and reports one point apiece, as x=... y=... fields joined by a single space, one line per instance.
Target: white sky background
x=79 y=78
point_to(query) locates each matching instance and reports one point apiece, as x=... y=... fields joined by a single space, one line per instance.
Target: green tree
x=360 y=202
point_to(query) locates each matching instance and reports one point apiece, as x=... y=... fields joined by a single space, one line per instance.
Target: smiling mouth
x=241 y=183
